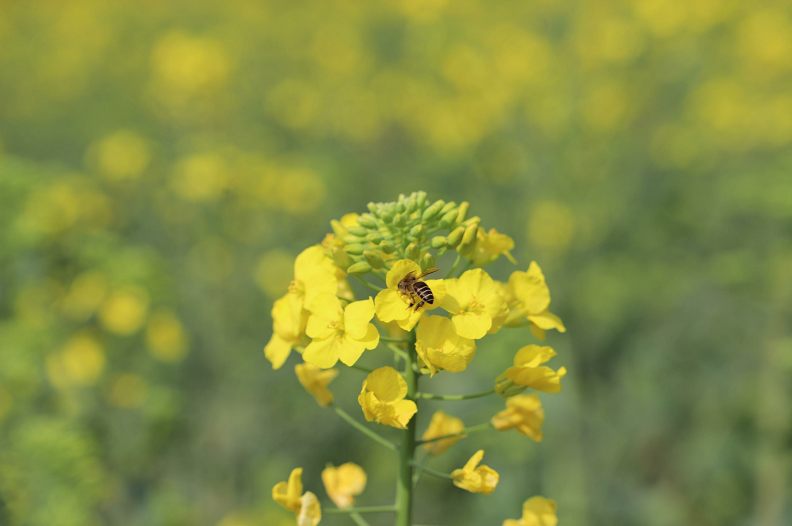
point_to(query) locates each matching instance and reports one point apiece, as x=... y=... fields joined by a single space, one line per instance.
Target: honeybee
x=412 y=286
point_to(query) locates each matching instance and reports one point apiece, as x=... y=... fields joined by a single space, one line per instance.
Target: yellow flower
x=392 y=305
x=288 y=324
x=442 y=424
x=532 y=300
x=528 y=370
x=490 y=246
x=382 y=398
x=523 y=413
x=314 y=274
x=475 y=478
x=537 y=511
x=343 y=483
x=475 y=305
x=315 y=381
x=290 y=496
x=338 y=332
x=440 y=347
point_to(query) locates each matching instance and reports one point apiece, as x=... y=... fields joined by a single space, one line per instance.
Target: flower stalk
x=407 y=450
x=451 y=398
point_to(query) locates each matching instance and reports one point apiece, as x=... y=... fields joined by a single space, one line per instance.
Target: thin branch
x=363 y=429
x=369 y=285
x=466 y=268
x=393 y=340
x=430 y=471
x=454 y=266
x=361 y=368
x=400 y=352
x=368 y=509
x=429 y=396
x=359 y=520
x=464 y=432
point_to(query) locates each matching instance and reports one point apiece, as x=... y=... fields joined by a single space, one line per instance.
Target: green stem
x=404 y=481
x=393 y=340
x=454 y=267
x=429 y=396
x=369 y=285
x=465 y=268
x=359 y=520
x=361 y=368
x=368 y=509
x=430 y=471
x=400 y=352
x=363 y=429
x=464 y=432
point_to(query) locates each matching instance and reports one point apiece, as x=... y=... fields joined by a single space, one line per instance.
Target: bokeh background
x=163 y=163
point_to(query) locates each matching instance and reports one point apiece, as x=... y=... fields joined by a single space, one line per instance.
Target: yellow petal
x=533 y=355
x=277 y=350
x=404 y=410
x=371 y=339
x=357 y=316
x=457 y=297
x=387 y=384
x=322 y=353
x=540 y=511
x=472 y=325
x=399 y=271
x=350 y=350
x=310 y=511
x=343 y=483
x=390 y=306
x=547 y=320
x=478 y=282
x=315 y=381
x=474 y=460
x=541 y=378
x=287 y=494
x=531 y=289
x=442 y=424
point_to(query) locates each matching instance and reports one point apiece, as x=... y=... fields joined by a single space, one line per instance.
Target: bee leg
x=412 y=300
x=420 y=305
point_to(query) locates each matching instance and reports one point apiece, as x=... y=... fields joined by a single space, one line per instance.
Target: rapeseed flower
x=315 y=381
x=442 y=424
x=338 y=332
x=288 y=324
x=531 y=298
x=393 y=305
x=537 y=511
x=523 y=413
x=528 y=371
x=382 y=398
x=490 y=246
x=304 y=505
x=440 y=347
x=474 y=303
x=314 y=274
x=475 y=478
x=343 y=483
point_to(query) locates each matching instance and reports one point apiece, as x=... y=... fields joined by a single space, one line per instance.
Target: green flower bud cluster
x=411 y=228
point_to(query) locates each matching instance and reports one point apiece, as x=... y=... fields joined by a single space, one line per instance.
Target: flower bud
x=427 y=261
x=420 y=199
x=398 y=220
x=388 y=247
x=386 y=216
x=468 y=240
x=447 y=208
x=400 y=207
x=429 y=213
x=373 y=259
x=373 y=208
x=349 y=239
x=338 y=228
x=448 y=219
x=341 y=258
x=473 y=220
x=438 y=242
x=439 y=204
x=413 y=252
x=357 y=231
x=367 y=221
x=375 y=238
x=412 y=204
x=461 y=214
x=417 y=231
x=361 y=267
x=455 y=237
x=355 y=249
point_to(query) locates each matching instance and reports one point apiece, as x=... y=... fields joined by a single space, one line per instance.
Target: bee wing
x=428 y=271
x=409 y=276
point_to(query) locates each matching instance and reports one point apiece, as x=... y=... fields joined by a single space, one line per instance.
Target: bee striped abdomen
x=424 y=292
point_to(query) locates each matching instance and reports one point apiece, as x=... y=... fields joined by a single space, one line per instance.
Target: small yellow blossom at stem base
x=391 y=305
x=531 y=299
x=338 y=332
x=476 y=307
x=288 y=323
x=315 y=381
x=523 y=413
x=440 y=347
x=475 y=478
x=442 y=424
x=528 y=370
x=343 y=483
x=290 y=495
x=490 y=246
x=537 y=511
x=382 y=398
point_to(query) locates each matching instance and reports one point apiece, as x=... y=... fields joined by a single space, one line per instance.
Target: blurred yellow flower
x=121 y=155
x=288 y=324
x=304 y=505
x=78 y=363
x=343 y=483
x=440 y=347
x=201 y=177
x=128 y=391
x=85 y=294
x=474 y=303
x=528 y=370
x=391 y=305
x=315 y=381
x=537 y=511
x=382 y=398
x=185 y=65
x=490 y=246
x=274 y=271
x=442 y=424
x=523 y=413
x=551 y=225
x=165 y=337
x=338 y=332
x=314 y=274
x=532 y=300
x=475 y=478
x=124 y=311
